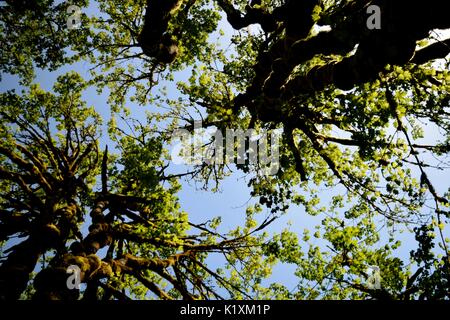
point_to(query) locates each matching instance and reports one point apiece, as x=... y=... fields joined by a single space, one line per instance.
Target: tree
x=352 y=102
x=50 y=162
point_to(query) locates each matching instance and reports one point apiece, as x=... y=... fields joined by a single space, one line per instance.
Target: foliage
x=355 y=106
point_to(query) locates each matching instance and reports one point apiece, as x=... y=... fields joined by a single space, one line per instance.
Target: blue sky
x=234 y=196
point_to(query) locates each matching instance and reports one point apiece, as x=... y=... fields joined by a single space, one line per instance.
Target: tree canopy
x=364 y=110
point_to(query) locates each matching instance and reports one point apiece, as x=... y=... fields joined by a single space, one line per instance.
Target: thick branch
x=253 y=15
x=154 y=39
x=438 y=50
